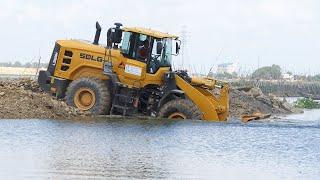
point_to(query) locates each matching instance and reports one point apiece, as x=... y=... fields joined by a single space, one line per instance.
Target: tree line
x=273 y=72
x=25 y=65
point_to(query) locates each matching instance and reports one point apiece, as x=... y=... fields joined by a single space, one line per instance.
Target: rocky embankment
x=22 y=99
x=250 y=100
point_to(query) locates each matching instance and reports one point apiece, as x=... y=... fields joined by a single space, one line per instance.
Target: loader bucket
x=213 y=108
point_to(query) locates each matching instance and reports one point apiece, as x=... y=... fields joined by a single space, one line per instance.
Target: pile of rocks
x=250 y=100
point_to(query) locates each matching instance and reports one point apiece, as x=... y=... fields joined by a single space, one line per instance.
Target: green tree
x=6 y=64
x=27 y=65
x=17 y=64
x=267 y=72
x=314 y=78
x=307 y=103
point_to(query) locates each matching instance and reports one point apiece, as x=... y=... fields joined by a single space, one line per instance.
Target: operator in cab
x=144 y=48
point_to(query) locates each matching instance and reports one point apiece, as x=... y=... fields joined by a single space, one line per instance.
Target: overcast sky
x=251 y=32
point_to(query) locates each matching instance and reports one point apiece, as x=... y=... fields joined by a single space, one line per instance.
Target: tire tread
x=184 y=106
x=99 y=86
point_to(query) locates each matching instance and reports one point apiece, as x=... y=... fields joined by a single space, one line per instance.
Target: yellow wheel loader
x=131 y=74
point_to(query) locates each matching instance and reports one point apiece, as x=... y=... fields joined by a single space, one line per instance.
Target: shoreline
x=22 y=98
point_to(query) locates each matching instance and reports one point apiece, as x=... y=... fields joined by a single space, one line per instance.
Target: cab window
x=136 y=46
x=125 y=44
x=160 y=59
x=144 y=48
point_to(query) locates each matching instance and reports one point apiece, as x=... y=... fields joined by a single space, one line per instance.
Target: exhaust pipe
x=98 y=32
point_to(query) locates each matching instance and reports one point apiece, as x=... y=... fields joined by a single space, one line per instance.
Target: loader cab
x=155 y=52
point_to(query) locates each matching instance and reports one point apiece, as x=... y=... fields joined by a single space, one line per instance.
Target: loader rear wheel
x=84 y=98
x=89 y=94
x=180 y=109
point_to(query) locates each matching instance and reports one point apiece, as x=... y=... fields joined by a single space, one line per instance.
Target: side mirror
x=177 y=48
x=159 y=47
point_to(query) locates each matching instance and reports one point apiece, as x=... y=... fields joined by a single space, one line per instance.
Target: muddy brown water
x=288 y=148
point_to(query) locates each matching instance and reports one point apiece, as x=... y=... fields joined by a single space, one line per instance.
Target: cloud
x=7 y=8
x=280 y=10
x=280 y=31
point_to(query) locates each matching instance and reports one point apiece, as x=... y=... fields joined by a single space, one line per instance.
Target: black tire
x=184 y=107
x=102 y=103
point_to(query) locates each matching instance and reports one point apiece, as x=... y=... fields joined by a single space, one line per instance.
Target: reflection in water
x=106 y=151
x=158 y=149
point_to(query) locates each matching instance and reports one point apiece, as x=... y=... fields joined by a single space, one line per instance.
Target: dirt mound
x=22 y=99
x=250 y=100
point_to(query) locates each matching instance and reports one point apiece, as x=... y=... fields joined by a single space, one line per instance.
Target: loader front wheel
x=89 y=94
x=180 y=109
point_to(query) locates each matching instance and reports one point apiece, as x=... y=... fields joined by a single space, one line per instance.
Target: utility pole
x=217 y=59
x=184 y=41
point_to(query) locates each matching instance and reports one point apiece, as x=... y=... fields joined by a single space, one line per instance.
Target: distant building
x=227 y=68
x=288 y=76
